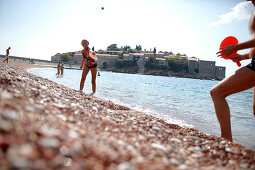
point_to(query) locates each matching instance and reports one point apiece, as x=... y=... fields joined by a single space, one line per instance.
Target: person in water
x=7 y=54
x=90 y=64
x=62 y=69
x=242 y=79
x=58 y=68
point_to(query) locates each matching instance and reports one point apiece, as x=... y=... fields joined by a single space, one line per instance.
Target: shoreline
x=47 y=125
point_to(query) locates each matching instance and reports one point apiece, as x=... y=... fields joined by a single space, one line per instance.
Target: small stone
x=73 y=134
x=49 y=142
x=64 y=150
x=156 y=128
x=39 y=107
x=94 y=108
x=244 y=165
x=44 y=87
x=6 y=125
x=223 y=142
x=49 y=131
x=197 y=155
x=6 y=95
x=174 y=161
x=183 y=166
x=31 y=101
x=59 y=105
x=62 y=117
x=68 y=162
x=228 y=149
x=17 y=161
x=124 y=166
x=175 y=140
x=158 y=146
x=10 y=114
x=27 y=151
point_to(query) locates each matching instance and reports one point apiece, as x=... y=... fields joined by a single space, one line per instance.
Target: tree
x=126 y=48
x=178 y=55
x=120 y=63
x=152 y=58
x=138 y=47
x=112 y=47
x=152 y=63
x=66 y=57
x=154 y=51
x=177 y=65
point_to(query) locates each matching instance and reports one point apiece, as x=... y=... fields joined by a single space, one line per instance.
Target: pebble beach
x=45 y=125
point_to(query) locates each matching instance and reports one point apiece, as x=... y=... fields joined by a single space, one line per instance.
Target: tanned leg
x=83 y=77
x=93 y=80
x=241 y=80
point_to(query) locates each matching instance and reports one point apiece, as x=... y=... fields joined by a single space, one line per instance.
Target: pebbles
x=44 y=125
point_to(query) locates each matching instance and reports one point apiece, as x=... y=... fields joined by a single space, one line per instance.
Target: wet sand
x=44 y=125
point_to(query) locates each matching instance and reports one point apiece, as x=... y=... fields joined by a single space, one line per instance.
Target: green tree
x=120 y=63
x=154 y=51
x=178 y=55
x=138 y=47
x=126 y=48
x=152 y=58
x=66 y=57
x=112 y=47
x=176 y=64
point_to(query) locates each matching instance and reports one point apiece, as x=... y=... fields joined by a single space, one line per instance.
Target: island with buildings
x=127 y=60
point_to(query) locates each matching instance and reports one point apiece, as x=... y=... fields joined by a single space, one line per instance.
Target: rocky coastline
x=44 y=125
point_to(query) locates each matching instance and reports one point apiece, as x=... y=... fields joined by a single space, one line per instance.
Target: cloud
x=241 y=11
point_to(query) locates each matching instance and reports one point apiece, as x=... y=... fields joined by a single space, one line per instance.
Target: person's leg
x=5 y=59
x=93 y=80
x=83 y=77
x=254 y=101
x=241 y=80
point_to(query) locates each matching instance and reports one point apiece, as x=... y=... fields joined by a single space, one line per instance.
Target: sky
x=41 y=28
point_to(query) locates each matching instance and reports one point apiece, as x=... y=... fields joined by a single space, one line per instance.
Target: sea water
x=181 y=101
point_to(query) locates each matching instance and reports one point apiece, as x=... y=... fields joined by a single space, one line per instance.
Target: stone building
x=193 y=65
x=205 y=69
x=56 y=58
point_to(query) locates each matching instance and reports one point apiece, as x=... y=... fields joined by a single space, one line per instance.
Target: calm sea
x=182 y=101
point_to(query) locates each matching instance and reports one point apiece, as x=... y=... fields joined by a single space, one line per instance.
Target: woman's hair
x=85 y=41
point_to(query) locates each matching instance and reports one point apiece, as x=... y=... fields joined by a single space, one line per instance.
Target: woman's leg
x=93 y=80
x=83 y=77
x=241 y=80
x=254 y=101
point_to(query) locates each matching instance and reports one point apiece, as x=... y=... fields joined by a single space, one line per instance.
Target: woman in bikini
x=242 y=79
x=90 y=64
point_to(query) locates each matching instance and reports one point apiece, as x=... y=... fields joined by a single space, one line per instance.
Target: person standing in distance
x=7 y=54
x=90 y=64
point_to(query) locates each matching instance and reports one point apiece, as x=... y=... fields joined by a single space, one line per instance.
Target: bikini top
x=89 y=61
